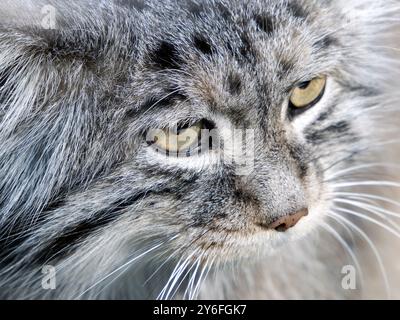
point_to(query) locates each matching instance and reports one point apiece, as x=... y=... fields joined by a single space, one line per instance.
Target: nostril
x=282 y=227
x=289 y=221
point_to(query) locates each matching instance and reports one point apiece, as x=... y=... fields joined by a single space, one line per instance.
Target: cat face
x=272 y=71
x=98 y=180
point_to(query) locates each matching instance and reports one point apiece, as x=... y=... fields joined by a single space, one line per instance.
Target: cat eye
x=175 y=140
x=307 y=94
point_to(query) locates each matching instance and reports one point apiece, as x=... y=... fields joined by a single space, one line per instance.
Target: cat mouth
x=256 y=239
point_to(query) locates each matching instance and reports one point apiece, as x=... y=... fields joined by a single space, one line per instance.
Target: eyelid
x=298 y=82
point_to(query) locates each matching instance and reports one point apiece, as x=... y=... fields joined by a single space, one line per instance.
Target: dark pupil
x=304 y=85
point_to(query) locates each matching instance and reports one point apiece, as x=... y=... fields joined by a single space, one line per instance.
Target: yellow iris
x=309 y=93
x=177 y=141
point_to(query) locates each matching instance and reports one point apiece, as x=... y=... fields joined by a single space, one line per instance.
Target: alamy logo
x=49 y=277
x=349 y=281
x=236 y=149
x=49 y=17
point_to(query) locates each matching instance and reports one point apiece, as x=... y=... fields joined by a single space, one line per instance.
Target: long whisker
x=177 y=266
x=160 y=267
x=174 y=278
x=181 y=275
x=370 y=183
x=345 y=227
x=361 y=195
x=120 y=268
x=183 y=278
x=372 y=246
x=370 y=209
x=345 y=245
x=369 y=219
x=371 y=206
x=203 y=275
x=361 y=167
x=192 y=278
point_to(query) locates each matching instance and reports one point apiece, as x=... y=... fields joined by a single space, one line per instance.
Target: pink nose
x=289 y=221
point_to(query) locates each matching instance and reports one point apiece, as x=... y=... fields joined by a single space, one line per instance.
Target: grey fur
x=80 y=190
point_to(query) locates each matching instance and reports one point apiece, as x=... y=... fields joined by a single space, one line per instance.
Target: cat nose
x=289 y=221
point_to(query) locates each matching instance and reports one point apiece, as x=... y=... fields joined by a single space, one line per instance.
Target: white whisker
x=343 y=172
x=192 y=279
x=370 y=209
x=367 y=218
x=371 y=183
x=120 y=268
x=174 y=278
x=345 y=245
x=366 y=196
x=199 y=281
x=373 y=248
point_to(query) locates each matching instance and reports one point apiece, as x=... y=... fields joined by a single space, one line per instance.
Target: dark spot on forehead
x=296 y=10
x=285 y=67
x=264 y=23
x=202 y=44
x=246 y=49
x=234 y=83
x=166 y=56
x=224 y=11
x=195 y=8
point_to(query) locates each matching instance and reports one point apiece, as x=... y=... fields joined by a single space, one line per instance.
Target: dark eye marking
x=298 y=154
x=68 y=241
x=325 y=43
x=202 y=44
x=264 y=23
x=364 y=91
x=166 y=56
x=319 y=136
x=324 y=116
